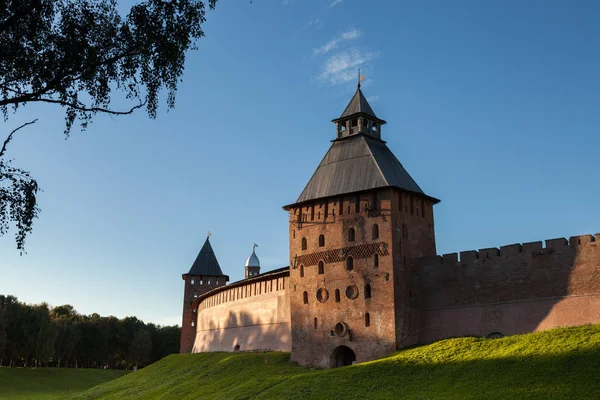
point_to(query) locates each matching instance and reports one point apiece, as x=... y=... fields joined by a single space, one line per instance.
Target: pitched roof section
x=356 y=164
x=358 y=104
x=206 y=263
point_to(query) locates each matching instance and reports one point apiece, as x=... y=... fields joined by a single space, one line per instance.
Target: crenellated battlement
x=465 y=258
x=516 y=272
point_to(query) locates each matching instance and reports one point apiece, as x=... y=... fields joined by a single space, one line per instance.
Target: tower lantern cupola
x=252 y=267
x=358 y=118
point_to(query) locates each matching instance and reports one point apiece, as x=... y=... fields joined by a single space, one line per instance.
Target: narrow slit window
x=349 y=264
x=367 y=291
x=375 y=232
x=337 y=295
x=367 y=319
x=321 y=267
x=305 y=297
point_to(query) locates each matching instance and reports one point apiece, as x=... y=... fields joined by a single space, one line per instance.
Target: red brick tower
x=355 y=234
x=204 y=276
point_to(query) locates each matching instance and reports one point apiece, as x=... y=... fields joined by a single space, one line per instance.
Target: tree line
x=37 y=335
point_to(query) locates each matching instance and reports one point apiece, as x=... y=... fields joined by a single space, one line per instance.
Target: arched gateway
x=341 y=356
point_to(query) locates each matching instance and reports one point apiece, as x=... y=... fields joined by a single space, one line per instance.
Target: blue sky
x=491 y=106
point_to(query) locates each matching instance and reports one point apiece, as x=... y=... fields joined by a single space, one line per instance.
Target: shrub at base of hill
x=558 y=364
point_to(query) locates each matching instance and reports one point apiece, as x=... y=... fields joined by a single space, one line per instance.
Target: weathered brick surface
x=391 y=313
x=253 y=315
x=514 y=289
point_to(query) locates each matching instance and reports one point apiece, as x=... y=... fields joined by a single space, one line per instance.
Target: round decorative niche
x=322 y=295
x=352 y=292
x=341 y=329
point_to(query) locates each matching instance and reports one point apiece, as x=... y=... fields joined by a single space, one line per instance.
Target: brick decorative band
x=338 y=255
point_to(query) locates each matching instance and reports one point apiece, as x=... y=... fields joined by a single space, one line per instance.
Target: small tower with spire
x=204 y=275
x=358 y=118
x=252 y=267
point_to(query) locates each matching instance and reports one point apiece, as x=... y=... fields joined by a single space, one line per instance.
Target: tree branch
x=9 y=138
x=91 y=109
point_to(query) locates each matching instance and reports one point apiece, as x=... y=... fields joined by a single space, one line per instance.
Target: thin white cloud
x=372 y=99
x=316 y=22
x=334 y=3
x=288 y=2
x=350 y=34
x=342 y=67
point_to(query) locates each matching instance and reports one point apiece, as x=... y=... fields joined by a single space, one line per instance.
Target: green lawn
x=50 y=383
x=558 y=364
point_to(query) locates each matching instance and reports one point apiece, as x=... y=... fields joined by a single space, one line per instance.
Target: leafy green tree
x=35 y=335
x=76 y=54
x=141 y=348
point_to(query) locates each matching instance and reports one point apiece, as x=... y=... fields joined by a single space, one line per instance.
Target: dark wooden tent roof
x=356 y=164
x=206 y=263
x=358 y=105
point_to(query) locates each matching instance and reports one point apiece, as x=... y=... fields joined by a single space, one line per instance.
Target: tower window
x=354 y=123
x=375 y=231
x=321 y=268
x=201 y=282
x=352 y=292
x=315 y=322
x=337 y=295
x=376 y=260
x=216 y=282
x=195 y=295
x=301 y=271
x=193 y=323
x=305 y=297
x=195 y=309
x=322 y=295
x=192 y=282
x=367 y=319
x=349 y=264
x=321 y=240
x=208 y=282
x=374 y=127
x=304 y=245
x=367 y=291
x=351 y=235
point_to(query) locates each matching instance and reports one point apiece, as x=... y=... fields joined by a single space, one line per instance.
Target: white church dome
x=253 y=261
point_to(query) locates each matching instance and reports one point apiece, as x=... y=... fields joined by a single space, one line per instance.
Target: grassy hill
x=558 y=364
x=50 y=383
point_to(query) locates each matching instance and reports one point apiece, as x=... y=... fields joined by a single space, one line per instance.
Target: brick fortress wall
x=253 y=314
x=514 y=289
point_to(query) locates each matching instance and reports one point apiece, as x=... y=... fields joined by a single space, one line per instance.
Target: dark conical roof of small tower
x=358 y=104
x=206 y=263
